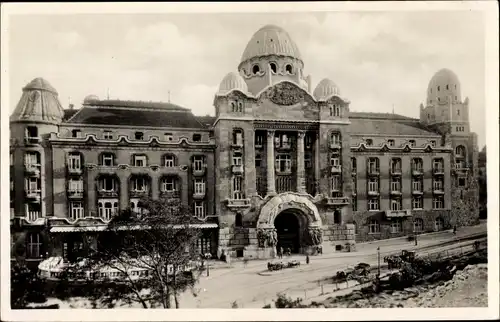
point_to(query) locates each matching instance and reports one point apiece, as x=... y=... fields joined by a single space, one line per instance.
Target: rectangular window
x=168 y=184
x=196 y=137
x=237 y=159
x=438 y=202
x=199 y=209
x=396 y=165
x=76 y=210
x=140 y=161
x=417 y=165
x=32 y=211
x=75 y=185
x=374 y=227
x=238 y=137
x=74 y=162
x=108 y=159
x=34 y=245
x=438 y=164
x=107 y=135
x=31 y=159
x=373 y=185
x=259 y=140
x=373 y=204
x=307 y=161
x=438 y=184
x=417 y=185
x=198 y=163
x=32 y=185
x=258 y=160
x=199 y=186
x=373 y=165
x=140 y=184
x=169 y=161
x=396 y=204
x=31 y=132
x=396 y=184
x=237 y=187
x=336 y=183
x=283 y=163
x=107 y=184
x=417 y=203
x=334 y=161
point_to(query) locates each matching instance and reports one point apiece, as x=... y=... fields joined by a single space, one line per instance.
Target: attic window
x=412 y=143
x=168 y=136
x=289 y=68
x=76 y=133
x=196 y=137
x=369 y=142
x=139 y=136
x=255 y=69
x=273 y=66
x=31 y=132
x=108 y=135
x=391 y=142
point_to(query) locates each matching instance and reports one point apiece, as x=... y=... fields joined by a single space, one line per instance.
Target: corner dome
x=326 y=89
x=232 y=81
x=271 y=40
x=443 y=85
x=39 y=103
x=90 y=98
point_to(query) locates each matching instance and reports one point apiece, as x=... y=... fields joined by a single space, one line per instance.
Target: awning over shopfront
x=398 y=213
x=67 y=229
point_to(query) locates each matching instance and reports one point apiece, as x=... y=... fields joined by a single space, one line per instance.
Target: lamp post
x=208 y=256
x=415 y=234
x=378 y=257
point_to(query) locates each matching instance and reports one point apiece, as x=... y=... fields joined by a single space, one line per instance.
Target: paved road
x=252 y=290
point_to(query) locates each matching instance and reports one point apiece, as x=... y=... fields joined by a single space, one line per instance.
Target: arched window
x=34 y=245
x=438 y=224
x=373 y=165
x=334 y=110
x=417 y=164
x=289 y=69
x=460 y=151
x=337 y=217
x=274 y=68
x=354 y=165
x=238 y=137
x=418 y=225
x=107 y=159
x=108 y=183
x=373 y=226
x=169 y=161
x=139 y=183
x=335 y=138
x=255 y=69
x=238 y=222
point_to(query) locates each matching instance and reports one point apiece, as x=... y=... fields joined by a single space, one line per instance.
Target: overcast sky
x=377 y=59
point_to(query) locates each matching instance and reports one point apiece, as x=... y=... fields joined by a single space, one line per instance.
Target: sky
x=379 y=60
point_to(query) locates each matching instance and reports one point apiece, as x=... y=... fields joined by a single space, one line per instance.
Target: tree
x=150 y=251
x=25 y=286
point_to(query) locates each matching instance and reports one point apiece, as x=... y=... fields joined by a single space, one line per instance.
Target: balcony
x=238 y=203
x=33 y=216
x=337 y=201
x=134 y=193
x=199 y=195
x=237 y=145
x=170 y=194
x=33 y=170
x=417 y=171
x=396 y=192
x=284 y=146
x=33 y=196
x=438 y=171
x=75 y=194
x=107 y=193
x=199 y=171
x=438 y=191
x=417 y=192
x=335 y=145
x=373 y=171
x=35 y=140
x=396 y=171
x=336 y=169
x=373 y=192
x=237 y=169
x=258 y=145
x=75 y=171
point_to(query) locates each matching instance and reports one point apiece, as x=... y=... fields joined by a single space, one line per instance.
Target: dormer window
x=273 y=66
x=76 y=133
x=255 y=69
x=140 y=160
x=31 y=132
x=168 y=137
x=139 y=135
x=107 y=135
x=289 y=69
x=390 y=143
x=412 y=143
x=196 y=137
x=369 y=142
x=433 y=143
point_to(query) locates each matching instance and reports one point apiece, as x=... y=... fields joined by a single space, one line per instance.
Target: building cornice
x=406 y=148
x=72 y=125
x=365 y=135
x=274 y=121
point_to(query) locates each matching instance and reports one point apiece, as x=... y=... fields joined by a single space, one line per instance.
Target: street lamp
x=415 y=234
x=378 y=256
x=207 y=257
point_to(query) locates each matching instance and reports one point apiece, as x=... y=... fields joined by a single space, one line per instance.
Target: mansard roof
x=364 y=123
x=134 y=113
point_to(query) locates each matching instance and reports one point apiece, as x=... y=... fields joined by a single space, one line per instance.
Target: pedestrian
x=307 y=259
x=288 y=252
x=280 y=252
x=245 y=262
x=455 y=230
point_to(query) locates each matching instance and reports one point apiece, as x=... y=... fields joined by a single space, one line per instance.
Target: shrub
x=234 y=305
x=25 y=286
x=285 y=302
x=267 y=306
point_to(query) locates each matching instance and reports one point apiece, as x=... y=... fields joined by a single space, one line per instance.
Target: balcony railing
x=134 y=193
x=199 y=194
x=170 y=194
x=373 y=171
x=107 y=193
x=284 y=146
x=237 y=169
x=32 y=140
x=75 y=194
x=438 y=170
x=200 y=171
x=237 y=144
x=336 y=169
x=334 y=145
x=238 y=203
x=373 y=192
x=417 y=191
x=438 y=190
x=396 y=171
x=396 y=192
x=337 y=200
x=32 y=216
x=417 y=171
x=76 y=171
x=33 y=195
x=32 y=169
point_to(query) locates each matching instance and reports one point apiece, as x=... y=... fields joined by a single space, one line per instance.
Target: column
x=123 y=197
x=316 y=164
x=271 y=185
x=301 y=184
x=154 y=182
x=91 y=205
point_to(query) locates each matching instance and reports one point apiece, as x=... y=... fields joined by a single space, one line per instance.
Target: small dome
x=90 y=98
x=326 y=89
x=232 y=81
x=39 y=103
x=442 y=86
x=271 y=40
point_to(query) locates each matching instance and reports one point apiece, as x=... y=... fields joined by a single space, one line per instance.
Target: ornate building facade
x=281 y=165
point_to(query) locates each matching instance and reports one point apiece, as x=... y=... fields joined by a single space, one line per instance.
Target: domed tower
x=449 y=115
x=269 y=57
x=37 y=114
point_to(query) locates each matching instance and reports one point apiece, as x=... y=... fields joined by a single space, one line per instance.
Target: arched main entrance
x=288 y=230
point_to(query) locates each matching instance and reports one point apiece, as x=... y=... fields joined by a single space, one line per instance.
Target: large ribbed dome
x=39 y=102
x=443 y=85
x=326 y=89
x=232 y=81
x=271 y=40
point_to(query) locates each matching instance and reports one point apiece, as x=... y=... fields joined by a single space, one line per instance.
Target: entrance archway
x=288 y=230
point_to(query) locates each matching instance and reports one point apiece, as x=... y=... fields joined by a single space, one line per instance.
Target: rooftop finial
x=169 y=96
x=108 y=93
